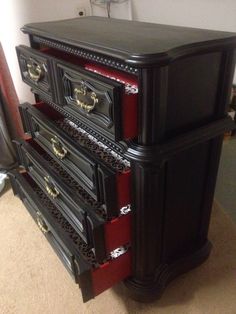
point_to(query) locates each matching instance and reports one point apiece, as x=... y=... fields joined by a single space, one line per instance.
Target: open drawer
x=102 y=97
x=84 y=214
x=36 y=70
x=106 y=98
x=92 y=277
x=100 y=171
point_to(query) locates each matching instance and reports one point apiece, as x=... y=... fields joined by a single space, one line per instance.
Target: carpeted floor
x=33 y=280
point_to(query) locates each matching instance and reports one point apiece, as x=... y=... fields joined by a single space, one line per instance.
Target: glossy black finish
x=107 y=113
x=142 y=43
x=184 y=78
x=29 y=58
x=172 y=196
x=185 y=95
x=58 y=81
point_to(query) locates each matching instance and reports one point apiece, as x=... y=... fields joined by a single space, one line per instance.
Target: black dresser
x=119 y=162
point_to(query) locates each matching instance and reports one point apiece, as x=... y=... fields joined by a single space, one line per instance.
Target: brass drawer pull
x=58 y=149
x=35 y=71
x=84 y=105
x=41 y=223
x=51 y=190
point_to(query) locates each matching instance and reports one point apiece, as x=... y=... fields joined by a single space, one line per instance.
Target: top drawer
x=36 y=70
x=106 y=103
x=104 y=98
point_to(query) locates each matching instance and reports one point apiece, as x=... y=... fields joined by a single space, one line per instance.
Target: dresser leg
x=142 y=291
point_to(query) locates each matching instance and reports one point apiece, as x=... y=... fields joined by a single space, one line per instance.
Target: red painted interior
x=129 y=101
x=130 y=116
x=111 y=273
x=123 y=188
x=118 y=232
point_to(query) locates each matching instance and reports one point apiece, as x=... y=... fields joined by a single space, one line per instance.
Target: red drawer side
x=123 y=188
x=118 y=232
x=130 y=116
x=110 y=273
x=129 y=101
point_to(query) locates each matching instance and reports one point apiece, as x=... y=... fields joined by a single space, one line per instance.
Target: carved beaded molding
x=86 y=54
x=119 y=148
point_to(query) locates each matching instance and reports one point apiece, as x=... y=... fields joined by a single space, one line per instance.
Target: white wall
x=212 y=14
x=209 y=14
x=14 y=14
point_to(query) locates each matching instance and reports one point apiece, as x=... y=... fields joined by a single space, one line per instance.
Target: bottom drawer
x=92 y=277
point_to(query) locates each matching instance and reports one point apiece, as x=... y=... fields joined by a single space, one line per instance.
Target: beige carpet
x=33 y=280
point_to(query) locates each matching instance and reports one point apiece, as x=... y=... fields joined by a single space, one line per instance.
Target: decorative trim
x=119 y=158
x=160 y=153
x=86 y=54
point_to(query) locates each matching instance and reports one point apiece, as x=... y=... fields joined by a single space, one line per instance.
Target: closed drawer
x=84 y=214
x=92 y=277
x=109 y=105
x=101 y=172
x=36 y=70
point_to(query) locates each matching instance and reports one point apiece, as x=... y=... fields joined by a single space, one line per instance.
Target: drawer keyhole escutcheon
x=57 y=148
x=83 y=105
x=35 y=71
x=51 y=190
x=41 y=223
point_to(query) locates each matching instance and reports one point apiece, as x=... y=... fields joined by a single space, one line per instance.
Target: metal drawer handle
x=35 y=71
x=51 y=190
x=57 y=148
x=41 y=223
x=84 y=105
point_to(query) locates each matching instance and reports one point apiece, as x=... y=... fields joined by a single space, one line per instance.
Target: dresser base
x=151 y=291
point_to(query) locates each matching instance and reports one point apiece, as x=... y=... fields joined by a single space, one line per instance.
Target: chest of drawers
x=124 y=139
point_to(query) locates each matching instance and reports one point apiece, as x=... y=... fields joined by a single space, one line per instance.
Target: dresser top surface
x=131 y=41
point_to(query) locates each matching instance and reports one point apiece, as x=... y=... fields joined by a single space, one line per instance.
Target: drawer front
x=102 y=182
x=97 y=100
x=84 y=94
x=36 y=70
x=104 y=98
x=82 y=218
x=85 y=215
x=25 y=192
x=92 y=277
x=80 y=165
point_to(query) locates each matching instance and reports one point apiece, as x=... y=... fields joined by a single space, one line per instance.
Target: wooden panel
x=192 y=92
x=186 y=176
